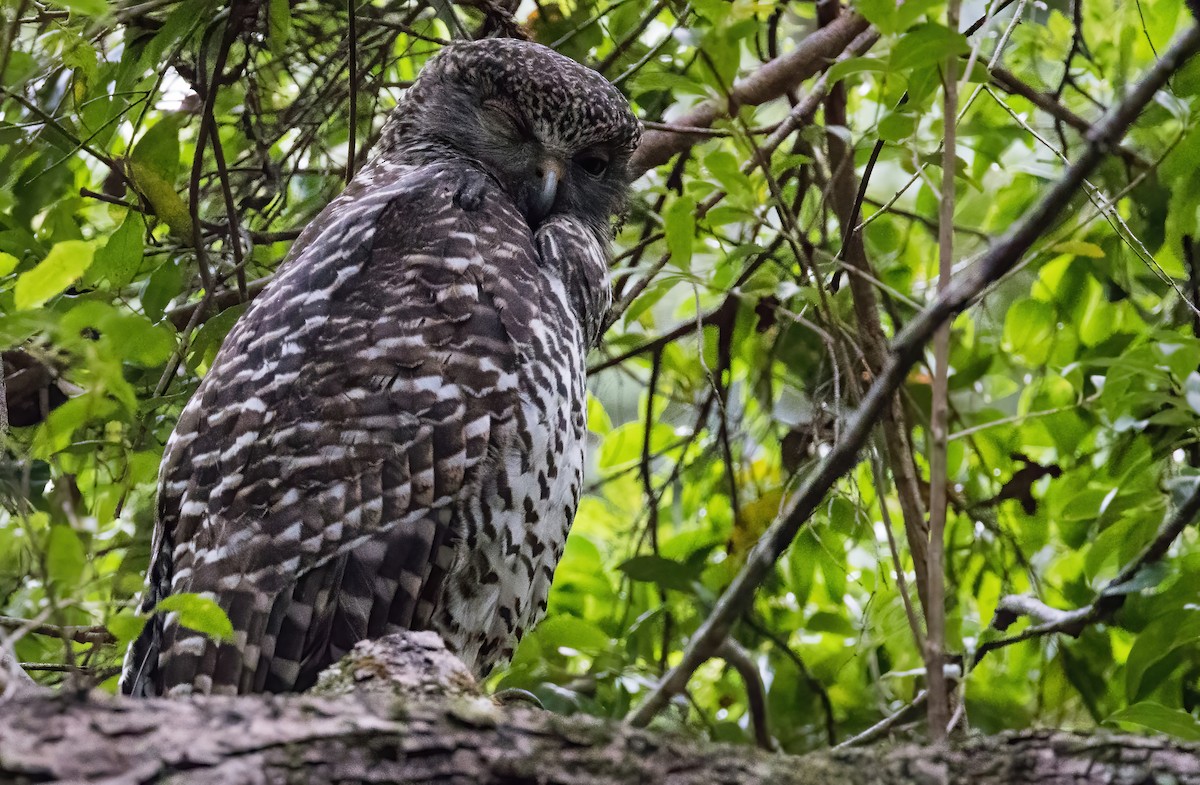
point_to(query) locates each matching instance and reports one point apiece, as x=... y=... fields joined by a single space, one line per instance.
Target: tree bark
x=401 y=710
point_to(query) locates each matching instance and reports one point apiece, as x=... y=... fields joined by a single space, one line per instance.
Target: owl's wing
x=310 y=483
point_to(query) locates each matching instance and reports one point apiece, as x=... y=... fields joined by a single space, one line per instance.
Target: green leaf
x=198 y=613
x=1028 y=330
x=623 y=445
x=802 y=563
x=207 y=340
x=58 y=431
x=896 y=126
x=279 y=20
x=910 y=11
x=570 y=632
x=1156 y=642
x=649 y=298
x=680 y=224
x=158 y=149
x=659 y=80
x=168 y=206
x=712 y=10
x=881 y=13
x=125 y=627
x=137 y=340
x=892 y=17
x=1099 y=319
x=21 y=67
x=85 y=7
x=1182 y=487
x=1107 y=546
x=65 y=556
x=120 y=258
x=180 y=23
x=1079 y=248
x=154 y=167
x=128 y=336
x=927 y=45
x=1158 y=718
x=598 y=421
x=8 y=263
x=62 y=266
x=1148 y=577
x=725 y=168
x=833 y=623
x=667 y=573
x=164 y=285
x=855 y=65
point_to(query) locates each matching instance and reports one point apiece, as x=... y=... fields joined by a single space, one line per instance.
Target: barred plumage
x=392 y=436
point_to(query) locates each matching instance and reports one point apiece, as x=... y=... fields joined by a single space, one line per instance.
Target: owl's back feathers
x=313 y=484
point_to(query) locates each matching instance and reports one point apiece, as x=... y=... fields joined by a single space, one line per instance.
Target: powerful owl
x=392 y=436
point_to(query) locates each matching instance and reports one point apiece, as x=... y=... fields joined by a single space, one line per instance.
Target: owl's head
x=556 y=135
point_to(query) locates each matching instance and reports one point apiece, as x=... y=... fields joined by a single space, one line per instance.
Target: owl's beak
x=550 y=173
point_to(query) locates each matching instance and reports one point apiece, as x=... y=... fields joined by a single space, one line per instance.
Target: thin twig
x=633 y=35
x=3 y=403
x=352 y=43
x=207 y=126
x=910 y=612
x=756 y=695
x=811 y=681
x=235 y=230
x=935 y=613
x=882 y=727
x=97 y=674
x=843 y=191
x=94 y=634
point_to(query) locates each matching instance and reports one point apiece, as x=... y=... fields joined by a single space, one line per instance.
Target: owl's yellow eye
x=592 y=164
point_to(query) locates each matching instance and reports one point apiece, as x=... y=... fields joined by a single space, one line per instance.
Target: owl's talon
x=514 y=696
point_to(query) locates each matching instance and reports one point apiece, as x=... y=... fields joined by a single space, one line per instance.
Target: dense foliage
x=126 y=167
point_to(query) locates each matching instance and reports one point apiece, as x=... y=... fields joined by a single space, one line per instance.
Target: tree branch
x=771 y=81
x=400 y=709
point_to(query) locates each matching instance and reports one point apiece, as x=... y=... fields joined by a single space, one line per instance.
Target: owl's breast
x=515 y=529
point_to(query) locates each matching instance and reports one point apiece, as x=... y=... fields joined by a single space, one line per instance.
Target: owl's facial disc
x=555 y=135
x=516 y=152
x=543 y=173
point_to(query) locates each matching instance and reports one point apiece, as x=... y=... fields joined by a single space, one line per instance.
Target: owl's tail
x=170 y=659
x=139 y=670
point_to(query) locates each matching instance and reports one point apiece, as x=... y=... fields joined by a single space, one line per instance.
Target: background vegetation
x=139 y=137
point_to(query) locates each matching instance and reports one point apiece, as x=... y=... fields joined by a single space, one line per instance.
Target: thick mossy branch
x=403 y=710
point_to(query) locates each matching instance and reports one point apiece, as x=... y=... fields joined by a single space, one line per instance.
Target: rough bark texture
x=401 y=710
